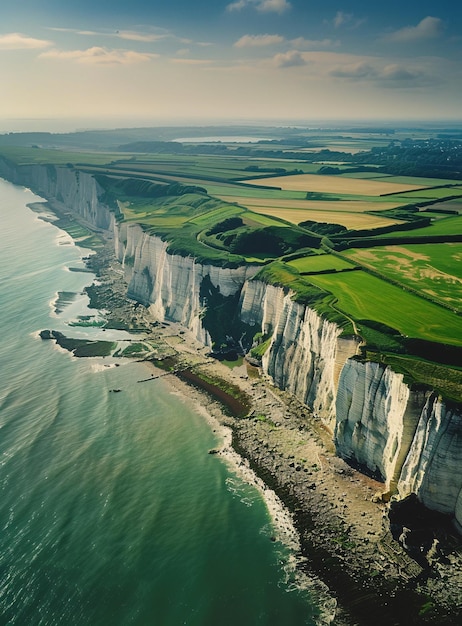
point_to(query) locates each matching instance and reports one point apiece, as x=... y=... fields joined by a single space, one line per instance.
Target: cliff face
x=171 y=284
x=65 y=186
x=304 y=351
x=412 y=440
x=433 y=465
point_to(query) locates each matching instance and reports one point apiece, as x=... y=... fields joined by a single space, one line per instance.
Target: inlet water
x=112 y=512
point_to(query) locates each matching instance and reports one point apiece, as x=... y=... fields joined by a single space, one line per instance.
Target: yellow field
x=343 y=206
x=333 y=184
x=355 y=221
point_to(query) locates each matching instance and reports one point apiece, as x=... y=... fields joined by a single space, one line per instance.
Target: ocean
x=112 y=511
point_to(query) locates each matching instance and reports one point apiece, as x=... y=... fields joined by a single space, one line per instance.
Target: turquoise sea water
x=112 y=512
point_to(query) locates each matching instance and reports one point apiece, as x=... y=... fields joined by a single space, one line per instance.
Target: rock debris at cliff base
x=341 y=528
x=79 y=193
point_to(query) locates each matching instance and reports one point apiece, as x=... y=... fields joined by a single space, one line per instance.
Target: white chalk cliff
x=302 y=357
x=169 y=284
x=412 y=439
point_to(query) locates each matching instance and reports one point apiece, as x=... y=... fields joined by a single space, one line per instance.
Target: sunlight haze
x=245 y=60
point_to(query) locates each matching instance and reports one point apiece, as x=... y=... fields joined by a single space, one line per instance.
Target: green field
x=365 y=297
x=319 y=263
x=434 y=269
x=196 y=203
x=440 y=227
x=420 y=181
x=424 y=195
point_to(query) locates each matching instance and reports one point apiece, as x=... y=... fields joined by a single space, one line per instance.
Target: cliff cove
x=343 y=537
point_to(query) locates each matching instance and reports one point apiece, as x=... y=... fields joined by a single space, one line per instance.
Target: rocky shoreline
x=342 y=522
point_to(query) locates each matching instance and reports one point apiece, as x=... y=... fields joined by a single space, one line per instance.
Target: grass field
x=364 y=296
x=428 y=194
x=319 y=263
x=24 y=156
x=336 y=184
x=203 y=166
x=419 y=181
x=440 y=227
x=434 y=269
x=449 y=205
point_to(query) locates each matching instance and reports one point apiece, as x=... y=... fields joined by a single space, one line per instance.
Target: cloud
x=397 y=72
x=237 y=6
x=428 y=28
x=278 y=6
x=265 y=6
x=129 y=35
x=191 y=61
x=348 y=20
x=17 y=41
x=99 y=56
x=392 y=75
x=136 y=36
x=258 y=40
x=313 y=44
x=355 y=71
x=342 y=18
x=293 y=58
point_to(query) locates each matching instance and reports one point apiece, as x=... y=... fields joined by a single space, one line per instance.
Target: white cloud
x=17 y=41
x=313 y=44
x=258 y=40
x=237 y=6
x=130 y=35
x=265 y=6
x=398 y=72
x=346 y=20
x=99 y=56
x=355 y=71
x=136 y=36
x=428 y=28
x=293 y=58
x=392 y=75
x=342 y=18
x=278 y=6
x=191 y=61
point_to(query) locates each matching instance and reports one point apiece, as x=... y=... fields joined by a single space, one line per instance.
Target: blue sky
x=235 y=60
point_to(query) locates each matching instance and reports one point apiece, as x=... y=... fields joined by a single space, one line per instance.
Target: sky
x=135 y=62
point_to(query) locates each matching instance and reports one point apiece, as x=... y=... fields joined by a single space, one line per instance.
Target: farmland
x=366 y=297
x=337 y=184
x=319 y=263
x=333 y=223
x=433 y=269
x=445 y=226
x=351 y=220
